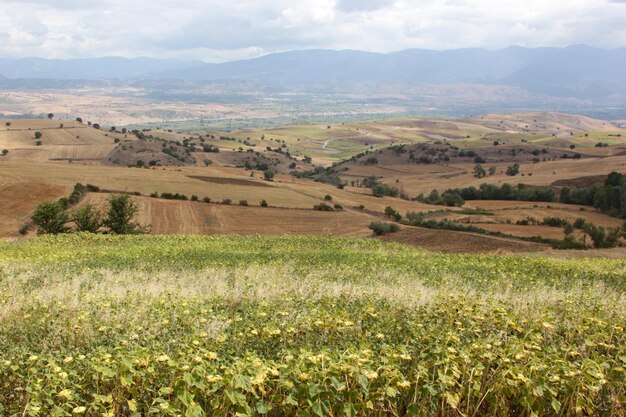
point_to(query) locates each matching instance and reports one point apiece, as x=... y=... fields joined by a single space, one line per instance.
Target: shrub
x=268 y=175
x=38 y=135
x=243 y=202
x=338 y=206
x=24 y=229
x=392 y=214
x=120 y=214
x=207 y=162
x=479 y=171
x=50 y=218
x=328 y=198
x=38 y=143
x=5 y=151
x=322 y=207
x=87 y=219
x=227 y=201
x=206 y=200
x=554 y=222
x=194 y=197
x=263 y=203
x=380 y=228
x=452 y=199
x=381 y=190
x=512 y=170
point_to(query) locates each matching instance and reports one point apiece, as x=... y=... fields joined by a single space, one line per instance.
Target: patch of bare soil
x=580 y=182
x=460 y=242
x=229 y=181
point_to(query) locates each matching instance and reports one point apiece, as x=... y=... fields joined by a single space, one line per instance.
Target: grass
x=104 y=325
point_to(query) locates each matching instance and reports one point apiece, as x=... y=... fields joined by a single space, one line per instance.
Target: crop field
x=304 y=326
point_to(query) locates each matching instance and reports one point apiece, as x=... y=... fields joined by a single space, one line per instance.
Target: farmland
x=98 y=325
x=311 y=161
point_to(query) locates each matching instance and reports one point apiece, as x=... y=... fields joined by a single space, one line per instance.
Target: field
x=194 y=326
x=543 y=144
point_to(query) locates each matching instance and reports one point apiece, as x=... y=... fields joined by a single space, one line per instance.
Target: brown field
x=449 y=241
x=175 y=217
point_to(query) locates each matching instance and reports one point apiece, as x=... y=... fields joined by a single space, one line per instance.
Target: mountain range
x=577 y=72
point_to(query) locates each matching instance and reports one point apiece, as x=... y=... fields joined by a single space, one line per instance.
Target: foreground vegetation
x=193 y=326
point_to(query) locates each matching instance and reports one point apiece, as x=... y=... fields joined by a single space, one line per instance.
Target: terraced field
x=303 y=326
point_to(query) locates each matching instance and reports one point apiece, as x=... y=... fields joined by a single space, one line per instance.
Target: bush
x=38 y=143
x=392 y=214
x=243 y=202
x=322 y=207
x=50 y=218
x=5 y=151
x=194 y=197
x=206 y=200
x=381 y=190
x=263 y=203
x=554 y=222
x=38 y=135
x=512 y=170
x=227 y=201
x=338 y=206
x=328 y=198
x=452 y=199
x=120 y=214
x=268 y=175
x=24 y=230
x=380 y=228
x=87 y=219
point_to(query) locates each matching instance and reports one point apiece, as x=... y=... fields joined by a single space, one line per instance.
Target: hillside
x=204 y=182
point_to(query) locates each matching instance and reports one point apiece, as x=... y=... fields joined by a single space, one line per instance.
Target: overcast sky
x=222 y=30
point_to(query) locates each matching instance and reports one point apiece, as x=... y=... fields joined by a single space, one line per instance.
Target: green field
x=306 y=326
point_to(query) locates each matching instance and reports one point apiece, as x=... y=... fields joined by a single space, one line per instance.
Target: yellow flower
x=79 y=410
x=65 y=394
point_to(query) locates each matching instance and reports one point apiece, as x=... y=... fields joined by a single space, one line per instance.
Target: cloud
x=362 y=5
x=218 y=30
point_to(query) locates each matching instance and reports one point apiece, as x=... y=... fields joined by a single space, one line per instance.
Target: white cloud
x=217 y=30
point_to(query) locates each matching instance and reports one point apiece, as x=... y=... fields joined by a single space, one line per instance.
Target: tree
x=120 y=214
x=50 y=218
x=38 y=135
x=452 y=199
x=268 y=175
x=5 y=151
x=87 y=219
x=479 y=171
x=207 y=162
x=512 y=170
x=79 y=119
x=50 y=116
x=492 y=170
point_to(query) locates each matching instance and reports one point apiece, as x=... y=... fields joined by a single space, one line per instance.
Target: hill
x=201 y=182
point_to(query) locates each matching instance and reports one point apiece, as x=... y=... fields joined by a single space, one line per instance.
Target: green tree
x=512 y=170
x=38 y=135
x=479 y=171
x=50 y=116
x=87 y=219
x=120 y=214
x=268 y=175
x=50 y=218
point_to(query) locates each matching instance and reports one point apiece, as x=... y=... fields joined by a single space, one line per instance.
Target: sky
x=225 y=30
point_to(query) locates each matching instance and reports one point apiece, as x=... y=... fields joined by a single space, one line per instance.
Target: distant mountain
x=574 y=73
x=88 y=69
